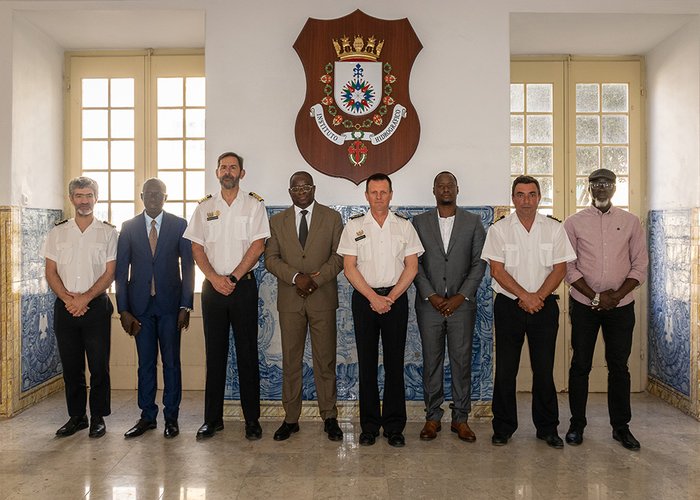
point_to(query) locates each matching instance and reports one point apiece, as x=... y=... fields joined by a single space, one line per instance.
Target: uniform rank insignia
x=213 y=215
x=401 y=216
x=108 y=223
x=554 y=218
x=256 y=196
x=205 y=198
x=60 y=222
x=356 y=216
x=501 y=217
x=360 y=235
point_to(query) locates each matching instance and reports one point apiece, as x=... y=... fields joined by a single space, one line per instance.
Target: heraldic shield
x=357 y=118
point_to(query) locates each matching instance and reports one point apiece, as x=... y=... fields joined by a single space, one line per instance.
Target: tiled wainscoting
x=674 y=307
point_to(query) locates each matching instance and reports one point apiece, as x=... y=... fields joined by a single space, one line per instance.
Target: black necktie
x=303 y=228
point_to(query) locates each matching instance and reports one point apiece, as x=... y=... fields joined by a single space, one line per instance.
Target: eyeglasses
x=306 y=188
x=602 y=185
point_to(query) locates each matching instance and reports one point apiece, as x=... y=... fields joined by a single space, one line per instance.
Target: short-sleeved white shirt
x=81 y=257
x=381 y=250
x=528 y=257
x=226 y=232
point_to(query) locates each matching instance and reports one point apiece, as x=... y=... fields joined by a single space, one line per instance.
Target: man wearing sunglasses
x=611 y=262
x=301 y=253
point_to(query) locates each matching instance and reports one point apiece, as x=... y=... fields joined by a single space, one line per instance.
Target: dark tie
x=153 y=240
x=303 y=228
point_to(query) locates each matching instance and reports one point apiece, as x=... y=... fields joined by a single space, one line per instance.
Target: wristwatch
x=596 y=300
x=232 y=278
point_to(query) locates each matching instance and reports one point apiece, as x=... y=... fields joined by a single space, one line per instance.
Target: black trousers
x=88 y=335
x=220 y=313
x=391 y=327
x=617 y=325
x=512 y=324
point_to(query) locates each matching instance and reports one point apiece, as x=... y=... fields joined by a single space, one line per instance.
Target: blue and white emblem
x=358 y=87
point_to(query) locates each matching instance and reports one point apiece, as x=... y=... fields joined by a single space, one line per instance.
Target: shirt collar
x=158 y=219
x=309 y=209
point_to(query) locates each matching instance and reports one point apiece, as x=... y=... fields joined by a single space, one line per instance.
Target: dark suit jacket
x=284 y=257
x=136 y=266
x=461 y=267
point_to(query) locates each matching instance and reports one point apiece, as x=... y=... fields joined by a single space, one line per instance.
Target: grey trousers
x=456 y=331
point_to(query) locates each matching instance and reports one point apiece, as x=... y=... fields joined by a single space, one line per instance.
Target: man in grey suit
x=301 y=253
x=449 y=274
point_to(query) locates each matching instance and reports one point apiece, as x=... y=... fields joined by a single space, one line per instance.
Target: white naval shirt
x=81 y=257
x=226 y=232
x=528 y=257
x=381 y=250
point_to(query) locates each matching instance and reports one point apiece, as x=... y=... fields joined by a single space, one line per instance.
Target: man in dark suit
x=301 y=253
x=155 y=284
x=449 y=274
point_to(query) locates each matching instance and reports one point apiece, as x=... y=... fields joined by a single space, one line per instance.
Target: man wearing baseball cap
x=611 y=262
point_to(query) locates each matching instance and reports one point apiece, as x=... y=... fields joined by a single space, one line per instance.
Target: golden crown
x=359 y=50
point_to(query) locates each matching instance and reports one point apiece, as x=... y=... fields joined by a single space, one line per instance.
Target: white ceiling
x=121 y=29
x=591 y=34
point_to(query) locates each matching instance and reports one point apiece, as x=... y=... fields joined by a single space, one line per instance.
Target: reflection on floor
x=34 y=464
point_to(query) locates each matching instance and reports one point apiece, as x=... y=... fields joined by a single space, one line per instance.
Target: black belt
x=383 y=291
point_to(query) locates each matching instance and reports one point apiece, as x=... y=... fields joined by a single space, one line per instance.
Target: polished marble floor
x=34 y=464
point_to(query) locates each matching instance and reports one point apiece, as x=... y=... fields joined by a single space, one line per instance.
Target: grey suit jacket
x=460 y=269
x=284 y=257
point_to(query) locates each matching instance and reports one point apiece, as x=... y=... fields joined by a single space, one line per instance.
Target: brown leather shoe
x=463 y=431
x=430 y=430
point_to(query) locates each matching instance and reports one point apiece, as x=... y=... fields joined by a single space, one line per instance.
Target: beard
x=228 y=181
x=601 y=203
x=84 y=211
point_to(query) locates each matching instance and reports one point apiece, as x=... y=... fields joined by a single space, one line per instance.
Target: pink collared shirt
x=610 y=247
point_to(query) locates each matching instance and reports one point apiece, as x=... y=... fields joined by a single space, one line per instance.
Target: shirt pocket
x=212 y=229
x=65 y=252
x=512 y=255
x=546 y=254
x=364 y=250
x=240 y=227
x=98 y=252
x=398 y=245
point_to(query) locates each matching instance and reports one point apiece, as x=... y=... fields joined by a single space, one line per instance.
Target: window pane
x=102 y=180
x=195 y=122
x=173 y=180
x=547 y=190
x=195 y=185
x=122 y=187
x=94 y=155
x=583 y=196
x=614 y=129
x=190 y=208
x=587 y=159
x=101 y=211
x=587 y=100
x=517 y=130
x=615 y=97
x=196 y=91
x=176 y=208
x=194 y=154
x=587 y=130
x=539 y=97
x=122 y=155
x=517 y=160
x=94 y=124
x=121 y=212
x=621 y=198
x=95 y=93
x=539 y=160
x=615 y=158
x=122 y=123
x=169 y=154
x=122 y=93
x=517 y=99
x=169 y=92
x=169 y=123
x=539 y=129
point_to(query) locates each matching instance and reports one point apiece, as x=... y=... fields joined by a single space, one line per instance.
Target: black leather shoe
x=171 y=429
x=368 y=438
x=331 y=427
x=625 y=437
x=552 y=440
x=500 y=439
x=574 y=437
x=395 y=439
x=97 y=427
x=73 y=425
x=141 y=426
x=283 y=432
x=208 y=429
x=253 y=430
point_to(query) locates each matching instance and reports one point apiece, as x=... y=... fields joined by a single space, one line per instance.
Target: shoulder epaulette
x=60 y=222
x=356 y=216
x=501 y=217
x=108 y=223
x=256 y=196
x=554 y=218
x=402 y=216
x=205 y=198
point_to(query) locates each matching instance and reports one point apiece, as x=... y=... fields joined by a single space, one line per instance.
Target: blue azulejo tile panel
x=669 y=297
x=270 y=351
x=40 y=360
